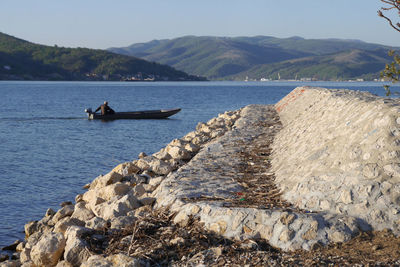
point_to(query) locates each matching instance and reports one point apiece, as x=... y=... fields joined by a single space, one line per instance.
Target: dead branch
x=393 y=4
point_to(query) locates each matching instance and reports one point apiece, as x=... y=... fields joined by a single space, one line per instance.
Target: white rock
x=62 y=225
x=63 y=212
x=48 y=250
x=139 y=190
x=217 y=133
x=79 y=197
x=92 y=200
x=155 y=181
x=189 y=136
x=392 y=170
x=178 y=142
x=33 y=239
x=110 y=178
x=81 y=212
x=192 y=148
x=25 y=255
x=113 y=190
x=125 y=169
x=371 y=170
x=98 y=196
x=31 y=227
x=176 y=163
x=287 y=235
x=117 y=207
x=144 y=163
x=160 y=167
x=97 y=261
x=63 y=264
x=200 y=139
x=138 y=179
x=76 y=251
x=142 y=155
x=203 y=128
x=177 y=152
x=96 y=223
x=162 y=155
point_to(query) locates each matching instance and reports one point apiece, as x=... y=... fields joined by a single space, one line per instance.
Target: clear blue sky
x=106 y=23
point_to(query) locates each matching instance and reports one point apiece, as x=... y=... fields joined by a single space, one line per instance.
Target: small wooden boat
x=134 y=115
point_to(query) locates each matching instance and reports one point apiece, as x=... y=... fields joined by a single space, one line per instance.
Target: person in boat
x=105 y=109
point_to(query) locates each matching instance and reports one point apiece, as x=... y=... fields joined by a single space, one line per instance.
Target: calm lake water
x=49 y=149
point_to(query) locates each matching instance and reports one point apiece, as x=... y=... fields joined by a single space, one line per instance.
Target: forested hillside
x=266 y=57
x=23 y=60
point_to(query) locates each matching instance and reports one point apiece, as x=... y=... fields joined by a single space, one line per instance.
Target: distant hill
x=23 y=60
x=346 y=65
x=264 y=57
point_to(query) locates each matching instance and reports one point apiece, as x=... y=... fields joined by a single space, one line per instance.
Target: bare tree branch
x=393 y=4
x=390 y=21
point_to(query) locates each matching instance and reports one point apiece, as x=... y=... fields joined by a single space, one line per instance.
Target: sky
x=103 y=24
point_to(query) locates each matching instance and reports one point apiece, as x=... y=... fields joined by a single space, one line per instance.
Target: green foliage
x=391 y=71
x=25 y=60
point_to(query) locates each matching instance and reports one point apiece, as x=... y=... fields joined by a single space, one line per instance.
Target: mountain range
x=23 y=60
x=265 y=57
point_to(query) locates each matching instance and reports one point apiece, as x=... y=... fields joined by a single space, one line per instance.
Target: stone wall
x=209 y=180
x=339 y=152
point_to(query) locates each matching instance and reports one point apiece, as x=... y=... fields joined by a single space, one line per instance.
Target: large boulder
x=25 y=255
x=97 y=196
x=63 y=224
x=162 y=155
x=192 y=148
x=178 y=152
x=155 y=181
x=117 y=207
x=63 y=212
x=126 y=168
x=200 y=139
x=48 y=250
x=189 y=136
x=76 y=250
x=110 y=191
x=144 y=163
x=96 y=223
x=217 y=122
x=160 y=167
x=31 y=228
x=81 y=212
x=104 y=180
x=203 y=128
x=139 y=190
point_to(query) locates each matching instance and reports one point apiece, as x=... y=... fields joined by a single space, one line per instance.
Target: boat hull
x=136 y=115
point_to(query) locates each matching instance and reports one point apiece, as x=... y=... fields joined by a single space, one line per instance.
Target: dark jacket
x=105 y=109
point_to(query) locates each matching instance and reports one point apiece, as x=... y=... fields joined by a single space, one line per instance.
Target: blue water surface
x=49 y=149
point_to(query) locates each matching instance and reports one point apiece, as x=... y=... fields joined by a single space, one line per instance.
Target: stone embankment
x=318 y=167
x=339 y=153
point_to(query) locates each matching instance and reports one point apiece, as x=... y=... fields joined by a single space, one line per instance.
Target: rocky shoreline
x=250 y=186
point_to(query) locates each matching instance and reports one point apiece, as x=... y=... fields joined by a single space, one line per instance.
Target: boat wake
x=40 y=118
